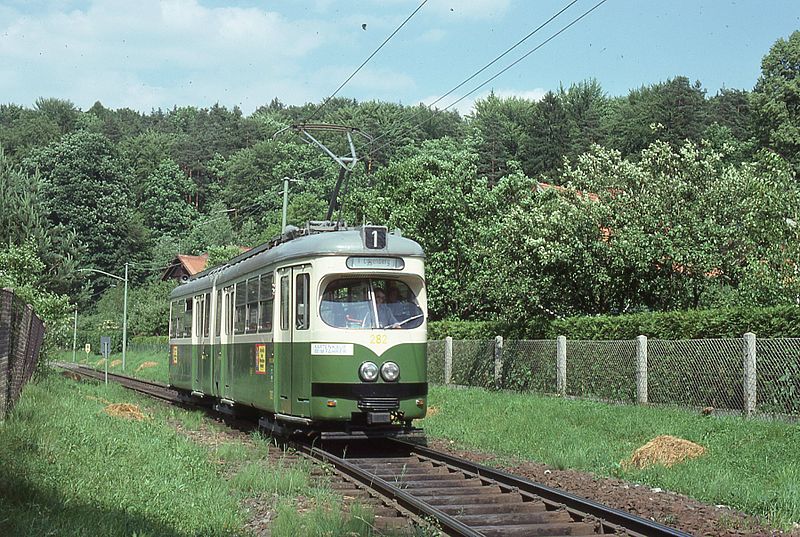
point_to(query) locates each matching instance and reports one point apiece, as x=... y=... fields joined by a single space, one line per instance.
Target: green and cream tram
x=322 y=330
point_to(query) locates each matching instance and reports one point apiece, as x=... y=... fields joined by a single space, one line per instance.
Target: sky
x=149 y=54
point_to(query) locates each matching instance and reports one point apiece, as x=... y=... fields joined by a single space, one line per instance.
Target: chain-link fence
x=528 y=365
x=748 y=374
x=473 y=362
x=696 y=372
x=21 y=335
x=601 y=369
x=778 y=376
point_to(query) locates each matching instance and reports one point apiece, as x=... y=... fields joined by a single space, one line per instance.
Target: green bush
x=148 y=340
x=773 y=322
x=536 y=328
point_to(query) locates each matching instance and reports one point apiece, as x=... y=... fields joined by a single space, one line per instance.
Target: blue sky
x=147 y=54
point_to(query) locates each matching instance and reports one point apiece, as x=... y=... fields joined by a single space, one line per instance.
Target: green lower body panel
x=286 y=378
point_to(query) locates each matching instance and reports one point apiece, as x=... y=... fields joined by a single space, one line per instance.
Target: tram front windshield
x=370 y=303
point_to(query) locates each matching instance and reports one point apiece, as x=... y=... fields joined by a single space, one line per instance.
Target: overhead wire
x=248 y=209
x=455 y=88
x=487 y=81
x=325 y=102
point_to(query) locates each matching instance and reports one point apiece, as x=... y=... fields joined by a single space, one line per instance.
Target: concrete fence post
x=641 y=370
x=749 y=374
x=498 y=362
x=561 y=365
x=448 y=360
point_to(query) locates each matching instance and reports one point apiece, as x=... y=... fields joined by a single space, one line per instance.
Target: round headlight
x=368 y=372
x=390 y=371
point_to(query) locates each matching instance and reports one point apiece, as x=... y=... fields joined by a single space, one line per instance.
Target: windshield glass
x=370 y=303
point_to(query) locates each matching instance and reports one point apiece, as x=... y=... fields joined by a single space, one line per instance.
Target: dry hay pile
x=665 y=450
x=145 y=365
x=124 y=410
x=99 y=362
x=115 y=363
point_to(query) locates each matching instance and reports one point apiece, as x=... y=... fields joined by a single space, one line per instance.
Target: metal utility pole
x=75 y=337
x=347 y=162
x=125 y=319
x=285 y=202
x=124 y=307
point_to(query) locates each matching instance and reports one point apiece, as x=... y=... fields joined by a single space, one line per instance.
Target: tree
x=437 y=198
x=85 y=189
x=776 y=100
x=501 y=127
x=23 y=220
x=586 y=107
x=22 y=129
x=549 y=136
x=672 y=111
x=22 y=270
x=164 y=196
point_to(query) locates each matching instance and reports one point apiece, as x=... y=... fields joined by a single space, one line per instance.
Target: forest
x=580 y=203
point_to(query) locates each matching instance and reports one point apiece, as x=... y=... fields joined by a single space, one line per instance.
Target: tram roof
x=349 y=242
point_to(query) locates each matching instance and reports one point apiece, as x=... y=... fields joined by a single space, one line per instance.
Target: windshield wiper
x=401 y=323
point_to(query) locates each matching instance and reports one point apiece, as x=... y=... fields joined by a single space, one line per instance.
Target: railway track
x=460 y=497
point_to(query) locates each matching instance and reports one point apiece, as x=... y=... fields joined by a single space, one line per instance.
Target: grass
x=750 y=465
x=141 y=364
x=69 y=469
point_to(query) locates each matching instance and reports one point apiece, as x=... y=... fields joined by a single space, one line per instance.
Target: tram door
x=202 y=369
x=216 y=348
x=292 y=339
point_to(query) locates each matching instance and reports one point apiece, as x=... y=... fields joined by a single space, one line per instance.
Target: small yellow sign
x=87 y=348
x=261 y=359
x=174 y=354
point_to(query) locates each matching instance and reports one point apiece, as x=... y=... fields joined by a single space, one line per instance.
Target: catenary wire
x=404 y=130
x=487 y=81
x=324 y=103
x=248 y=209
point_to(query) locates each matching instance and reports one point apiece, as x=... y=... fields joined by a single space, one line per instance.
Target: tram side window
x=206 y=313
x=285 y=303
x=266 y=298
x=241 y=308
x=218 y=314
x=301 y=302
x=252 y=305
x=187 y=317
x=229 y=310
x=173 y=319
x=198 y=315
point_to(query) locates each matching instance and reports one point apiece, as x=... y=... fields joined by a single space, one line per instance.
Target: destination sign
x=386 y=263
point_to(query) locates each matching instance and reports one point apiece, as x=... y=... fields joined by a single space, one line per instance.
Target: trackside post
x=641 y=370
x=561 y=365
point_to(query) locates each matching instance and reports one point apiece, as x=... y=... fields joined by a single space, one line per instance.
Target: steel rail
x=611 y=519
x=604 y=513
x=152 y=388
x=416 y=506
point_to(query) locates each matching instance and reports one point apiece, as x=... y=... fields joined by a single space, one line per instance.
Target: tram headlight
x=390 y=371
x=368 y=372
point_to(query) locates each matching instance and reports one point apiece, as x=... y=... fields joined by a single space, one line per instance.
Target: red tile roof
x=193 y=263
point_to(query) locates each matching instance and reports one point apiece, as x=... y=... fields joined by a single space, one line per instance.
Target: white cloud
x=149 y=53
x=465 y=106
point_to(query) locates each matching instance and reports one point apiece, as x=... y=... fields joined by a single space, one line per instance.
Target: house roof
x=193 y=263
